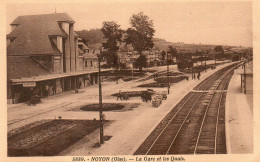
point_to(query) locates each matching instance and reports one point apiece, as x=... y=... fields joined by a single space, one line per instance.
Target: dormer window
x=59 y=44
x=80 y=46
x=86 y=51
x=14 y=26
x=9 y=41
x=57 y=40
x=65 y=27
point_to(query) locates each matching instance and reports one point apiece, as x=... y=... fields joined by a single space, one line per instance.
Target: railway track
x=196 y=124
x=15 y=121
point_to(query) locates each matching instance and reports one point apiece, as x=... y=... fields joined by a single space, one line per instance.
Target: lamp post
x=100 y=103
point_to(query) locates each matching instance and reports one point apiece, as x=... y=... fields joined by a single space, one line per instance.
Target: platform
x=239 y=118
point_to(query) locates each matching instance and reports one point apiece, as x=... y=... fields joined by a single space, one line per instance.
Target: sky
x=218 y=23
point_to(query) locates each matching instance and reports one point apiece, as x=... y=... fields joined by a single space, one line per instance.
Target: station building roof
x=32 y=34
x=24 y=66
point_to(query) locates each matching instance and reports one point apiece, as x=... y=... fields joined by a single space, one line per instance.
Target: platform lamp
x=100 y=100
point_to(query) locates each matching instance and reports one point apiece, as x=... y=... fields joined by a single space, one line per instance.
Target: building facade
x=44 y=57
x=154 y=57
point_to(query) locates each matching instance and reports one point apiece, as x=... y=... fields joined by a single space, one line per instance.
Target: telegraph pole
x=205 y=62
x=168 y=73
x=132 y=65
x=215 y=61
x=244 y=77
x=100 y=103
x=192 y=69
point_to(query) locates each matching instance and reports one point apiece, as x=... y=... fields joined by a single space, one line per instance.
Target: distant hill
x=183 y=47
x=94 y=38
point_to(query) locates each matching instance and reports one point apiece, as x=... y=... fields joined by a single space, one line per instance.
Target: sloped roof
x=84 y=46
x=80 y=51
x=23 y=67
x=90 y=55
x=95 y=46
x=57 y=16
x=31 y=36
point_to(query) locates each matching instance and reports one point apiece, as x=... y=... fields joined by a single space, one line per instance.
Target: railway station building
x=46 y=57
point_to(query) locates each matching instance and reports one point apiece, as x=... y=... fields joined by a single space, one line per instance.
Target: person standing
x=80 y=84
x=46 y=90
x=198 y=75
x=54 y=89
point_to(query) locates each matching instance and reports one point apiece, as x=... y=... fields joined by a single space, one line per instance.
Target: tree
x=219 y=49
x=140 y=35
x=172 y=51
x=113 y=35
x=163 y=56
x=141 y=60
x=91 y=36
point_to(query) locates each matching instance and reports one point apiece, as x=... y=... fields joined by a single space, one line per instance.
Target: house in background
x=44 y=57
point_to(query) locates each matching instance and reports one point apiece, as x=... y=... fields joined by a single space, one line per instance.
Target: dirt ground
x=49 y=137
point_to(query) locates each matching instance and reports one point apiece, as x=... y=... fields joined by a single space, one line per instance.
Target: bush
x=105 y=107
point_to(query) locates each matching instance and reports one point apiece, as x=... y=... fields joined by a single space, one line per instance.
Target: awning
x=56 y=76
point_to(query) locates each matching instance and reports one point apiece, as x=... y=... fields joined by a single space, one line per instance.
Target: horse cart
x=158 y=97
x=34 y=100
x=157 y=100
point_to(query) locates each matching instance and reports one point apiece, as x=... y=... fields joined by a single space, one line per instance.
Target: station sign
x=29 y=84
